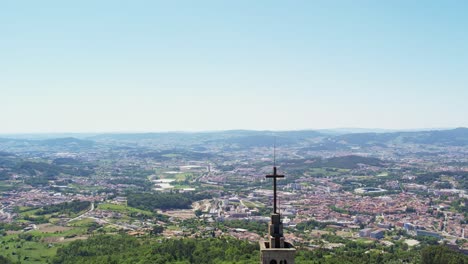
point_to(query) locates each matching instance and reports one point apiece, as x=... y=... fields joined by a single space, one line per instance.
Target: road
x=99 y=220
x=84 y=214
x=8 y=215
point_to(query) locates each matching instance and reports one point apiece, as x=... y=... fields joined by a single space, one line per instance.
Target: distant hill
x=453 y=137
x=308 y=139
x=241 y=138
x=343 y=131
x=259 y=141
x=39 y=173
x=325 y=145
x=366 y=138
x=140 y=136
x=315 y=139
x=268 y=138
x=68 y=141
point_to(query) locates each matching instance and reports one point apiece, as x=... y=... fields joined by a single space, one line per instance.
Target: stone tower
x=276 y=250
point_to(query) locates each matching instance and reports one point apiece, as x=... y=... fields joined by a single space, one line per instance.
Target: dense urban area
x=347 y=196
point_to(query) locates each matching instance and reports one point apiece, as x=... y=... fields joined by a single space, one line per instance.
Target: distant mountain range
x=65 y=144
x=452 y=137
x=352 y=130
x=308 y=139
x=325 y=141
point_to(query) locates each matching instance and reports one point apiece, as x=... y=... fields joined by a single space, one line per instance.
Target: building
x=372 y=233
x=365 y=232
x=276 y=250
x=384 y=225
x=377 y=234
x=409 y=227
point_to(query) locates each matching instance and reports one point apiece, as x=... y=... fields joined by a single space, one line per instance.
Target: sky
x=140 y=66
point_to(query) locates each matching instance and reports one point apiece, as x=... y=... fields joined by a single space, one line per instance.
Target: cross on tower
x=274 y=176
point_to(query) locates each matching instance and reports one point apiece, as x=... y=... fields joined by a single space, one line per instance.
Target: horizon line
x=239 y=129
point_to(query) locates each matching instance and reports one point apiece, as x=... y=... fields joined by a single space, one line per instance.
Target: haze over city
x=112 y=66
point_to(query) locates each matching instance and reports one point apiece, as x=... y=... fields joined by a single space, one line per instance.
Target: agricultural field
x=122 y=209
x=40 y=244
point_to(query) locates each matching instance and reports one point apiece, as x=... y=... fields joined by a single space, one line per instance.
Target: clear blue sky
x=99 y=66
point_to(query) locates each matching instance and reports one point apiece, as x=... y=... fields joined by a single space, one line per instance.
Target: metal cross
x=274 y=176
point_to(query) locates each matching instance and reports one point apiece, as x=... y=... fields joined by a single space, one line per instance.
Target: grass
x=23 y=209
x=38 y=249
x=183 y=176
x=72 y=232
x=109 y=229
x=86 y=222
x=250 y=204
x=28 y=251
x=34 y=251
x=173 y=228
x=326 y=173
x=364 y=240
x=6 y=187
x=54 y=220
x=446 y=178
x=122 y=209
x=184 y=186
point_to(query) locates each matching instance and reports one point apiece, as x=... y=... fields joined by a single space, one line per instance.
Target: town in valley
x=388 y=189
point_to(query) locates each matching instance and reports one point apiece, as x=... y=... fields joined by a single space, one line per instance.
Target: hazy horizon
x=148 y=66
x=341 y=129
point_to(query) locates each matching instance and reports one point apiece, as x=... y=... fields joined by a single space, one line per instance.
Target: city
x=233 y=132
x=355 y=187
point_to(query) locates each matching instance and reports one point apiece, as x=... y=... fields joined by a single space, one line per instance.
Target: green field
x=326 y=172
x=178 y=176
x=4 y=187
x=250 y=204
x=82 y=222
x=76 y=231
x=26 y=251
x=37 y=246
x=122 y=209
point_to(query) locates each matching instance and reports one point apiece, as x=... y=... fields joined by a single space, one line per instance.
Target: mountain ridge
x=264 y=138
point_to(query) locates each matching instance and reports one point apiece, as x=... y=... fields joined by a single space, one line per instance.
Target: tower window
x=273 y=262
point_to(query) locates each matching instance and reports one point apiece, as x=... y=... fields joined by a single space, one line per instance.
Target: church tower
x=276 y=250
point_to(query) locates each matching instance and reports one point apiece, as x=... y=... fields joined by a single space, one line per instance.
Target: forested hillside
x=129 y=250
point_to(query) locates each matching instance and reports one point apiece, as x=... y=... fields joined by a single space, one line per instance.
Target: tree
x=157 y=229
x=442 y=255
x=198 y=213
x=4 y=260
